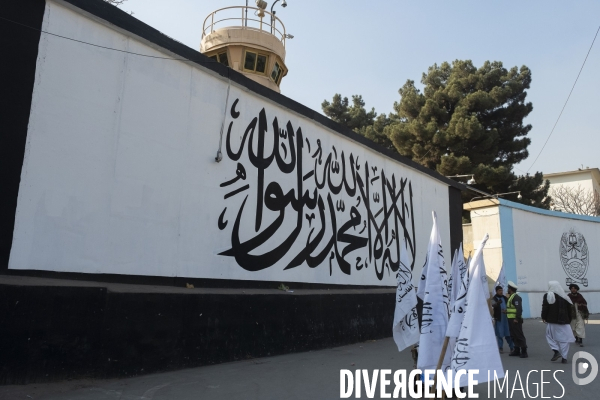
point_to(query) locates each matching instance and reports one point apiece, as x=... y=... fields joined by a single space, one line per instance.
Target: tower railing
x=221 y=18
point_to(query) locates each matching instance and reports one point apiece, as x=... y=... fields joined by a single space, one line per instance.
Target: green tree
x=357 y=118
x=467 y=120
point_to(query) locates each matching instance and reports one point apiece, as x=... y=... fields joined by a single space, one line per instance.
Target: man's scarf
x=554 y=288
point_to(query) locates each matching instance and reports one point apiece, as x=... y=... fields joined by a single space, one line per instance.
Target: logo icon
x=590 y=364
x=574 y=257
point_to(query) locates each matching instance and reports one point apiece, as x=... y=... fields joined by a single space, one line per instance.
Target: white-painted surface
x=587 y=179
x=120 y=174
x=545 y=246
x=537 y=240
x=486 y=221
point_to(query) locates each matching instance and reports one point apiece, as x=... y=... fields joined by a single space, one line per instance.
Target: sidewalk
x=315 y=375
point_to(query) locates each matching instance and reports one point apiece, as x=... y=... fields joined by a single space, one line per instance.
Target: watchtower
x=250 y=40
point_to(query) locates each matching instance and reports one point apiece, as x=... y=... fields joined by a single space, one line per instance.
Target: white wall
x=539 y=248
x=529 y=242
x=120 y=176
x=486 y=221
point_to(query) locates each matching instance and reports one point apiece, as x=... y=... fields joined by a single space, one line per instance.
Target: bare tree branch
x=575 y=200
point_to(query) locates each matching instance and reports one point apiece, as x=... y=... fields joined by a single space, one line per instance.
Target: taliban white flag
x=460 y=304
x=406 y=319
x=453 y=275
x=435 y=305
x=476 y=346
x=423 y=279
x=459 y=270
x=501 y=281
x=468 y=261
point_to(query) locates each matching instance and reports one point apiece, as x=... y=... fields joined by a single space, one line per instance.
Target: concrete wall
x=485 y=220
x=109 y=174
x=468 y=248
x=537 y=246
x=119 y=330
x=119 y=173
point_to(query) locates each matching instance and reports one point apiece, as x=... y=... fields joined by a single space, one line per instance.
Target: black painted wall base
x=61 y=332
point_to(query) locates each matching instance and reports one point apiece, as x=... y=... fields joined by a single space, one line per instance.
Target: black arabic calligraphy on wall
x=348 y=215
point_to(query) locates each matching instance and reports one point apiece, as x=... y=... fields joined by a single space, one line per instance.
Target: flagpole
x=440 y=361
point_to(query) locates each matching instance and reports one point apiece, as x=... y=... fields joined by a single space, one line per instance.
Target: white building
x=588 y=178
x=575 y=191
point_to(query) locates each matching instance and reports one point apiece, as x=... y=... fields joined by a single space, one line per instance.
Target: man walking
x=514 y=312
x=556 y=312
x=501 y=328
x=581 y=313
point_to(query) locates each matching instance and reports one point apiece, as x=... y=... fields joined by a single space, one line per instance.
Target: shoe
x=524 y=354
x=580 y=342
x=516 y=352
x=564 y=361
x=501 y=351
x=556 y=356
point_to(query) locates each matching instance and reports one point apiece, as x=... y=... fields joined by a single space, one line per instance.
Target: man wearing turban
x=556 y=312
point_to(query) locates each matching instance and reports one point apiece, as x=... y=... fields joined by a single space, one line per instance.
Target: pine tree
x=465 y=121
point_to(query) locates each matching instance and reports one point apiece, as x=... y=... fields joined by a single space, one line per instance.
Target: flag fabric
x=453 y=275
x=459 y=269
x=501 y=281
x=468 y=261
x=435 y=305
x=406 y=320
x=423 y=279
x=476 y=346
x=460 y=306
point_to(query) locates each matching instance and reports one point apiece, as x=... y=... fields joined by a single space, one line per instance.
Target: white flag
x=501 y=281
x=476 y=346
x=406 y=319
x=435 y=305
x=468 y=261
x=453 y=275
x=459 y=270
x=423 y=279
x=460 y=306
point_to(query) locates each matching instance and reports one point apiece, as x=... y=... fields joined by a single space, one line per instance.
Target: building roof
x=595 y=173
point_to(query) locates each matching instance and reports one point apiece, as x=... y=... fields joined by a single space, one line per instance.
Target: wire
x=219 y=156
x=97 y=45
x=568 y=97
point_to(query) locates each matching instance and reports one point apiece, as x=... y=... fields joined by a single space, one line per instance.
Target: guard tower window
x=255 y=62
x=277 y=73
x=221 y=58
x=261 y=63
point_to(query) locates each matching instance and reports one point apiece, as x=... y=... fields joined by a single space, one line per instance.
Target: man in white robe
x=556 y=312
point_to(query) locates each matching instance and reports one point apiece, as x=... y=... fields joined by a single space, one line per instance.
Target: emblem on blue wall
x=574 y=257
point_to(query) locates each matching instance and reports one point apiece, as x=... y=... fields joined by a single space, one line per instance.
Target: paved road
x=314 y=375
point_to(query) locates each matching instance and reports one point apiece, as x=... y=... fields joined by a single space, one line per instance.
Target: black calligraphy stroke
x=236 y=191
x=330 y=224
x=222 y=222
x=240 y=173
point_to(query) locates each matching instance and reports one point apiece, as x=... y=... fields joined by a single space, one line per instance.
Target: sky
x=372 y=48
